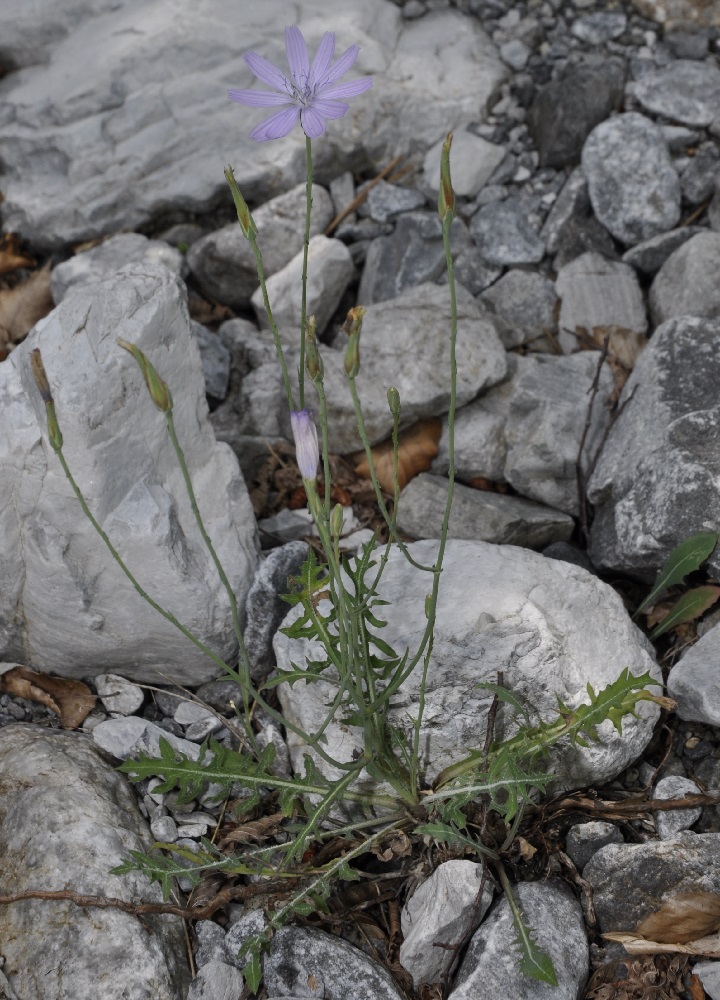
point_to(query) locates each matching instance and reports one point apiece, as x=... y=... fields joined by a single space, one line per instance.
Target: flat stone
x=299 y=956
x=698 y=179
x=114 y=124
x=685 y=90
x=686 y=284
x=188 y=712
x=560 y=627
x=648 y=257
x=478 y=514
x=547 y=412
x=504 y=236
x=441 y=911
x=670 y=824
x=709 y=975
x=329 y=271
x=211 y=942
x=265 y=608
x=474 y=273
x=595 y=292
x=573 y=202
x=658 y=477
x=164 y=829
x=53 y=948
x=492 y=968
x=473 y=162
x=566 y=110
x=404 y=343
x=223 y=263
x=105 y=260
x=584 y=840
x=119 y=695
x=523 y=304
x=515 y=53
x=600 y=27
x=126 y=737
x=412 y=254
x=694 y=681
x=581 y=236
x=69 y=608
x=215 y=360
x=386 y=201
x=216 y=981
x=631 y=881
x=633 y=186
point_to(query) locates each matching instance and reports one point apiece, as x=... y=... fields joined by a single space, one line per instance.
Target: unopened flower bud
x=393 y=398
x=159 y=392
x=245 y=219
x=41 y=381
x=353 y=326
x=336 y=520
x=307 y=450
x=313 y=361
x=446 y=195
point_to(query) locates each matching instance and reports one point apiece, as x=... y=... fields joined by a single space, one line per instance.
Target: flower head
x=306 y=442
x=311 y=92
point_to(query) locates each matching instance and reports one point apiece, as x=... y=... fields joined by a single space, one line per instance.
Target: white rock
x=119 y=695
x=552 y=627
x=329 y=271
x=694 y=681
x=473 y=162
x=126 y=737
x=670 y=824
x=443 y=909
x=67 y=606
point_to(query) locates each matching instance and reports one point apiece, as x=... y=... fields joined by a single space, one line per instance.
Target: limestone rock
x=55 y=948
x=694 y=681
x=474 y=160
x=68 y=607
x=657 y=480
x=633 y=186
x=685 y=90
x=584 y=840
x=686 y=284
x=550 y=626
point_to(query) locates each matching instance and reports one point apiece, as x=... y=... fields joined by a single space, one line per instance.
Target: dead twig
x=579 y=474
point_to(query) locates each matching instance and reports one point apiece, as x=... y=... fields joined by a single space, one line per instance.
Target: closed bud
x=159 y=392
x=245 y=219
x=336 y=520
x=313 y=361
x=446 y=195
x=41 y=381
x=353 y=327
x=307 y=450
x=393 y=398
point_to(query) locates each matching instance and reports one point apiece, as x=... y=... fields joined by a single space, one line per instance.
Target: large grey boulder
x=633 y=186
x=66 y=819
x=65 y=604
x=405 y=343
x=117 y=125
x=491 y=967
x=658 y=478
x=223 y=263
x=550 y=626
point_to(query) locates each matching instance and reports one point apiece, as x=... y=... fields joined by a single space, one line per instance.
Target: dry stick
x=586 y=893
x=360 y=198
x=624 y=808
x=579 y=476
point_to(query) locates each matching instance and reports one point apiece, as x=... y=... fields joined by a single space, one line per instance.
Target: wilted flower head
x=311 y=92
x=306 y=442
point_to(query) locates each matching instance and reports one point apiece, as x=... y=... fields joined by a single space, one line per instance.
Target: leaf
x=690 y=606
x=252 y=973
x=534 y=962
x=71 y=700
x=685 y=917
x=417 y=447
x=685 y=558
x=12 y=256
x=503 y=694
x=21 y=307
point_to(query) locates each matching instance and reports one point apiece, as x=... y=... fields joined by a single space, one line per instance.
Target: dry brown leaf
x=417 y=447
x=526 y=849
x=695 y=987
x=21 y=307
x=625 y=346
x=11 y=256
x=71 y=700
x=683 y=918
x=254 y=831
x=708 y=946
x=397 y=845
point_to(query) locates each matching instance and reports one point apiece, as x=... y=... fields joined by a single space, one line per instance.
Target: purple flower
x=310 y=92
x=306 y=442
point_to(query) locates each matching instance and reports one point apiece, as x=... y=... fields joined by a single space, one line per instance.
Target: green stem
x=306 y=245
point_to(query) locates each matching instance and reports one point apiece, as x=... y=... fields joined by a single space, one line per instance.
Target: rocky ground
x=586 y=160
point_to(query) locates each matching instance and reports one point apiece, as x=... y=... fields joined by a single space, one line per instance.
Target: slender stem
x=306 y=244
x=271 y=319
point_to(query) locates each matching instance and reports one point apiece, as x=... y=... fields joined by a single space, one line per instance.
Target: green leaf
x=685 y=558
x=252 y=973
x=690 y=606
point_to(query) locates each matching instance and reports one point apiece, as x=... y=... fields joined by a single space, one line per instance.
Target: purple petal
x=349 y=89
x=341 y=66
x=323 y=58
x=312 y=123
x=258 y=98
x=266 y=72
x=329 y=109
x=276 y=126
x=297 y=56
